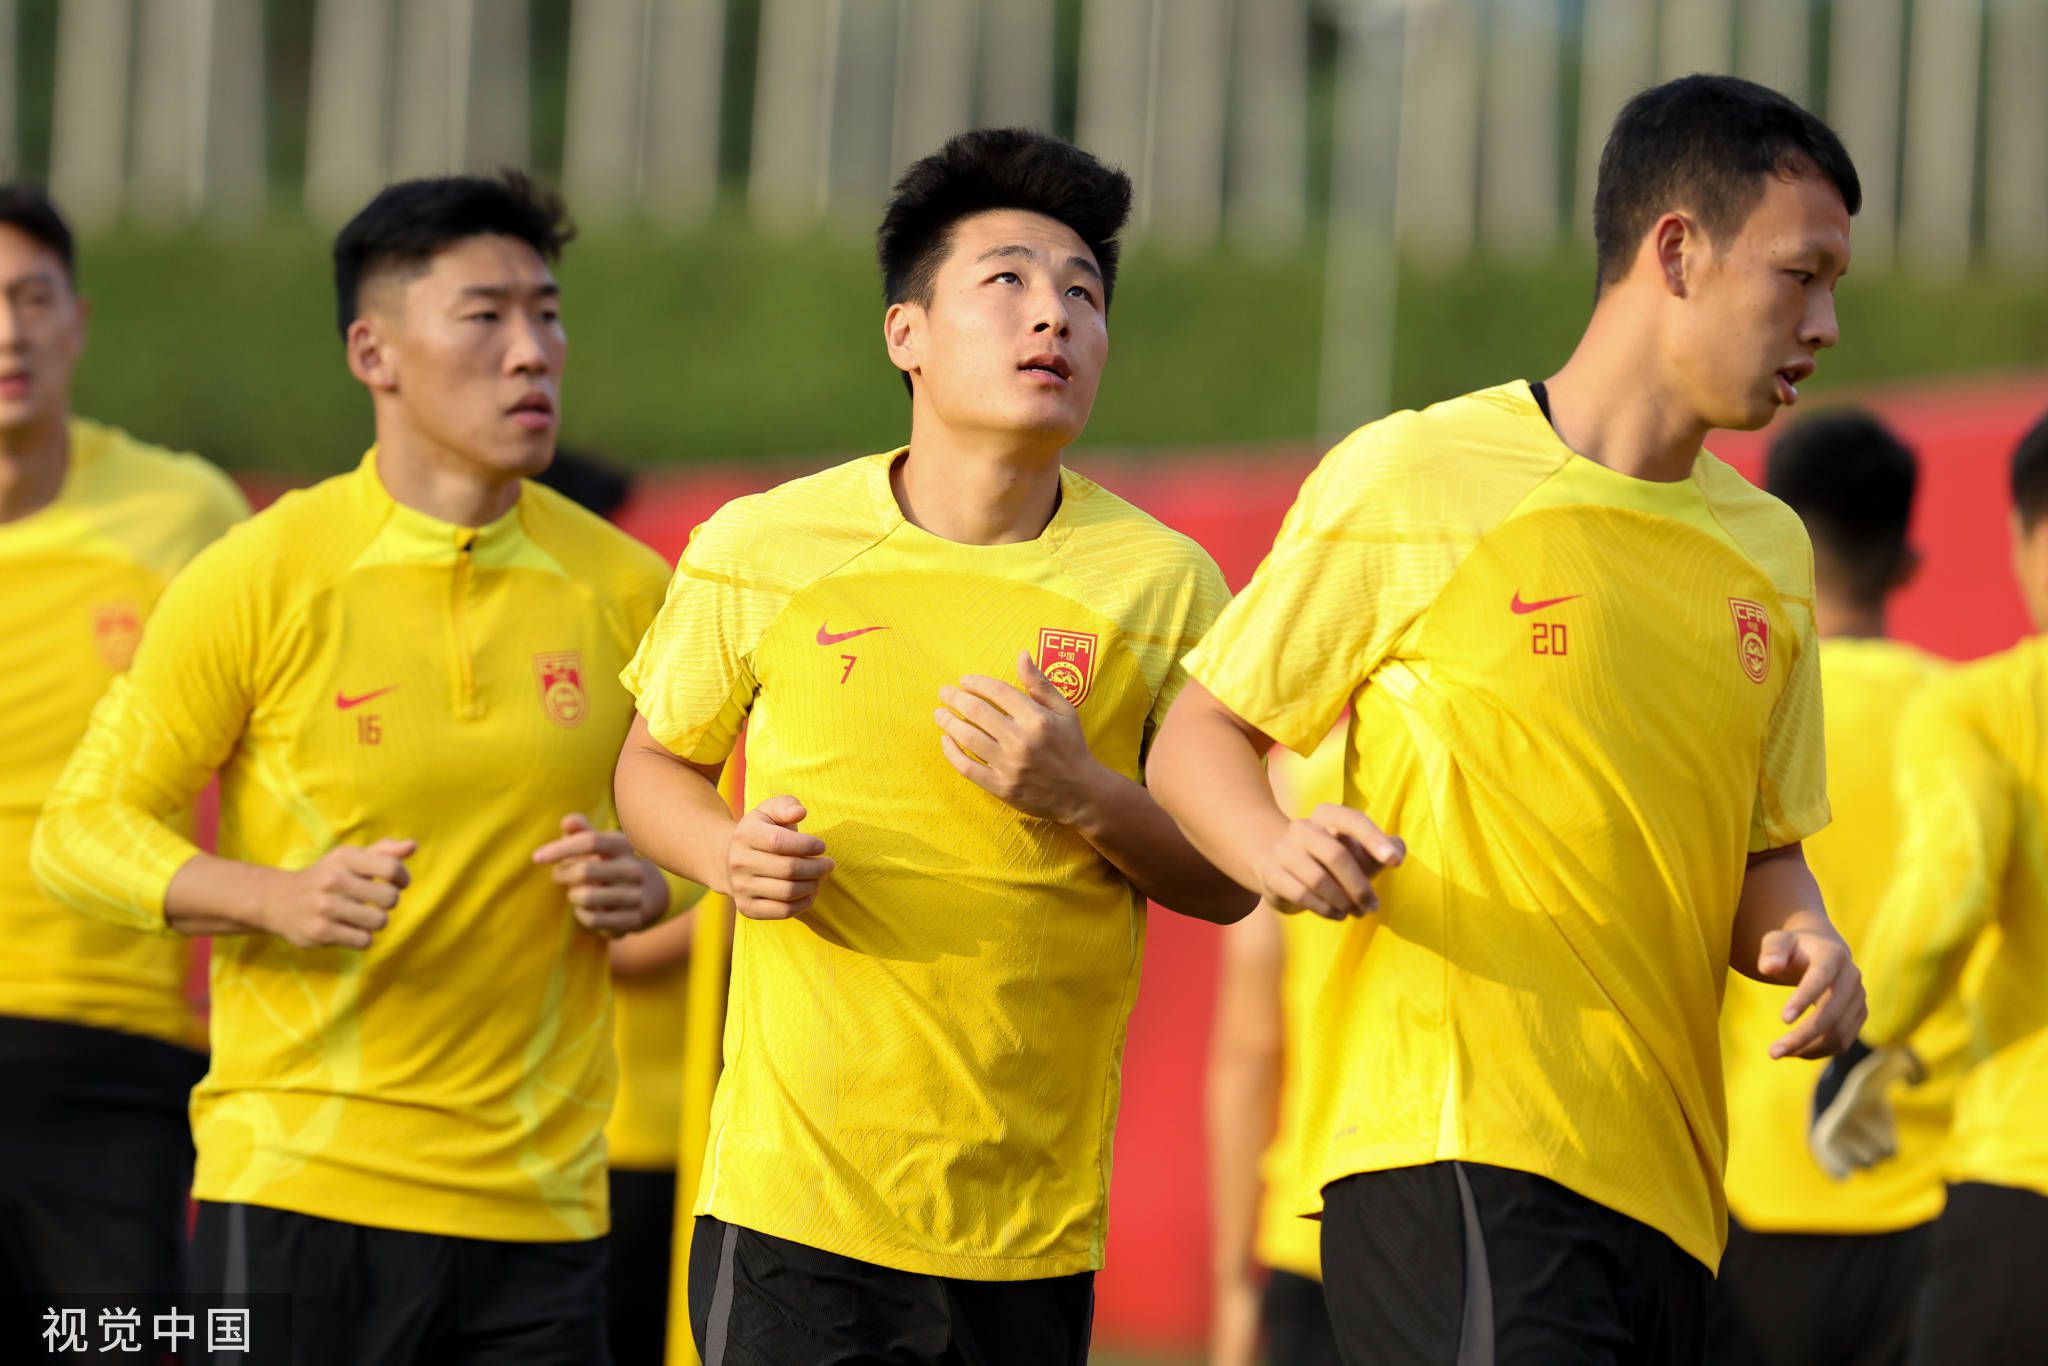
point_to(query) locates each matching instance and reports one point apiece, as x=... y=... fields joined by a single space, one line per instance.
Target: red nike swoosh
x=826 y=637
x=1520 y=608
x=344 y=701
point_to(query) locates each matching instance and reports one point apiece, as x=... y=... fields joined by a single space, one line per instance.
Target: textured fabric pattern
x=1973 y=880
x=1582 y=699
x=1774 y=1185
x=356 y=670
x=82 y=576
x=921 y=1072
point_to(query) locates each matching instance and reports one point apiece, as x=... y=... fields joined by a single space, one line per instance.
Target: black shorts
x=360 y=1294
x=643 y=1241
x=1455 y=1262
x=762 y=1301
x=1297 y=1322
x=95 y=1159
x=1815 y=1299
x=1985 y=1295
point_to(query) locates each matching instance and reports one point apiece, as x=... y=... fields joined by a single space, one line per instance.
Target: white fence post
x=346 y=134
x=1863 y=107
x=235 y=156
x=1118 y=61
x=934 y=78
x=498 y=125
x=601 y=139
x=684 y=95
x=433 y=87
x=167 y=171
x=1361 y=275
x=1777 y=45
x=1518 y=195
x=1436 y=183
x=1268 y=204
x=1941 y=133
x=89 y=143
x=2017 y=161
x=1698 y=36
x=1016 y=64
x=1187 y=158
x=792 y=101
x=865 y=93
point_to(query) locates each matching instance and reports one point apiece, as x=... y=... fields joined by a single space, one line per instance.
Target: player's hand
x=773 y=868
x=1022 y=746
x=612 y=890
x=1234 y=1323
x=343 y=898
x=1816 y=963
x=1326 y=862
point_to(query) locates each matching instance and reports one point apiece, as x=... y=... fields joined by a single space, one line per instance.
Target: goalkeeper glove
x=1852 y=1124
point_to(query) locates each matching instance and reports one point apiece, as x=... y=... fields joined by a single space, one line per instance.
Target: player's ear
x=1674 y=240
x=369 y=359
x=903 y=331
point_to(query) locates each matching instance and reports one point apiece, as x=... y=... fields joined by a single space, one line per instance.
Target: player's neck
x=427 y=477
x=1610 y=404
x=976 y=491
x=1833 y=616
x=34 y=458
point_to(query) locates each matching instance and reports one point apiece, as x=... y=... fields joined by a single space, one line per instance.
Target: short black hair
x=1851 y=480
x=997 y=168
x=1705 y=144
x=28 y=208
x=588 y=480
x=2030 y=475
x=407 y=224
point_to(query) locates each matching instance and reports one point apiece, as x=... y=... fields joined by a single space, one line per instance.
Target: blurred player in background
x=1818 y=1271
x=1971 y=877
x=404 y=676
x=1585 y=697
x=1265 y=1105
x=649 y=973
x=99 y=1047
x=950 y=659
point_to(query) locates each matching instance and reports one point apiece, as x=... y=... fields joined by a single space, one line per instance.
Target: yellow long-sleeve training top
x=356 y=670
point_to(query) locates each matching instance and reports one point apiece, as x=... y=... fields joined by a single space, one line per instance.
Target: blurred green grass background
x=724 y=344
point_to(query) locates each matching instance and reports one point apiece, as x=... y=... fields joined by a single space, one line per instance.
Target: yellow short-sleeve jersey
x=1583 y=700
x=1968 y=909
x=357 y=670
x=1774 y=1185
x=921 y=1071
x=82 y=576
x=1286 y=1239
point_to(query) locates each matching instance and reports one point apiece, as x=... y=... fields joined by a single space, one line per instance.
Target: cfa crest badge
x=561 y=687
x=1752 y=638
x=1067 y=659
x=117 y=630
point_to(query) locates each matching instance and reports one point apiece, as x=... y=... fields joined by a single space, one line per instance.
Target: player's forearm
x=1131 y=830
x=212 y=895
x=1242 y=1101
x=673 y=814
x=1207 y=772
x=1778 y=893
x=651 y=953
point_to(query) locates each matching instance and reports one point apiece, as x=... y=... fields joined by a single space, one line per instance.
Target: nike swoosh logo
x=1520 y=608
x=826 y=637
x=344 y=701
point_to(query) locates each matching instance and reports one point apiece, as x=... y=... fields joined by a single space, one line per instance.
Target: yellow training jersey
x=1973 y=874
x=1582 y=699
x=1285 y=1239
x=921 y=1071
x=357 y=670
x=1774 y=1185
x=80 y=577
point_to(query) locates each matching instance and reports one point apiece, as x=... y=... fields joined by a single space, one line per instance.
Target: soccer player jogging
x=1817 y=1270
x=950 y=658
x=1972 y=879
x=1267 y=1093
x=403 y=676
x=98 y=1045
x=1585 y=745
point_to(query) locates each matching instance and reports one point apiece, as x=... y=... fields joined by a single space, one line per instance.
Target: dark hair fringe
x=28 y=208
x=408 y=223
x=1704 y=144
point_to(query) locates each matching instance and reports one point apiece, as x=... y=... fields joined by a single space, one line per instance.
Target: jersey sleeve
x=1958 y=792
x=110 y=837
x=1204 y=605
x=693 y=677
x=1358 y=559
x=1792 y=780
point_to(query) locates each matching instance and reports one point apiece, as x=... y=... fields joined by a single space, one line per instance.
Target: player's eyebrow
x=550 y=290
x=46 y=279
x=1022 y=252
